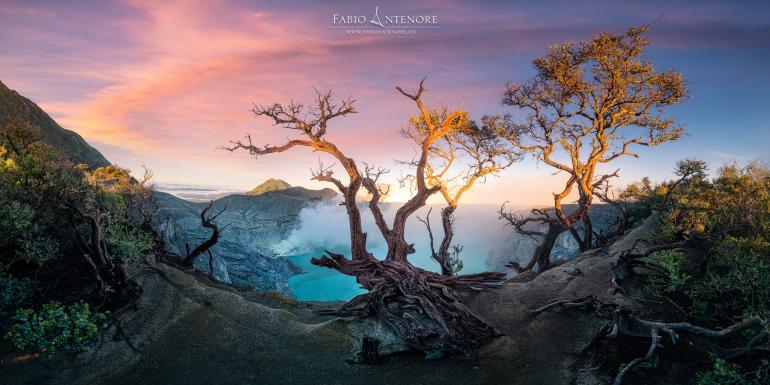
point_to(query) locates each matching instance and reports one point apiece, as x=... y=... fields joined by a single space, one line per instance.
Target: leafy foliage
x=21 y=235
x=47 y=205
x=54 y=328
x=725 y=373
x=127 y=243
x=74 y=230
x=722 y=275
x=729 y=217
x=14 y=293
x=591 y=103
x=672 y=261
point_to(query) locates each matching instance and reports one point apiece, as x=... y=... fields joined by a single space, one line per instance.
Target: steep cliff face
x=254 y=224
x=72 y=145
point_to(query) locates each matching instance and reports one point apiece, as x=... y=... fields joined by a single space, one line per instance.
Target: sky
x=164 y=84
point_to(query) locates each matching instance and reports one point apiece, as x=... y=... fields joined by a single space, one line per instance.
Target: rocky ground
x=186 y=331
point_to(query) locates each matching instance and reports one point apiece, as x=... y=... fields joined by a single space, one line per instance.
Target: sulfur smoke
x=486 y=240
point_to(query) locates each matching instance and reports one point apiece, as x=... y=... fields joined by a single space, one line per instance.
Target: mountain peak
x=269 y=185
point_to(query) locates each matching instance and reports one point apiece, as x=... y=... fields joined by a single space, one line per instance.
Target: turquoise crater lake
x=317 y=283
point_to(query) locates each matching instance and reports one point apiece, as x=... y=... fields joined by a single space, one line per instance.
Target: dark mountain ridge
x=15 y=106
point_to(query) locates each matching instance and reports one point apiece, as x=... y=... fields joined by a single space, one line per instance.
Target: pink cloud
x=165 y=83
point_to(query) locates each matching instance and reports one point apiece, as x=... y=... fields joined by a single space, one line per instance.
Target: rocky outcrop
x=218 y=330
x=252 y=226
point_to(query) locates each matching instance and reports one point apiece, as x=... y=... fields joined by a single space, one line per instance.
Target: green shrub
x=672 y=261
x=127 y=243
x=73 y=328
x=15 y=217
x=728 y=219
x=14 y=293
x=723 y=275
x=54 y=214
x=725 y=373
x=20 y=233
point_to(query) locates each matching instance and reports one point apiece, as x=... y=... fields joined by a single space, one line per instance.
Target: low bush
x=73 y=329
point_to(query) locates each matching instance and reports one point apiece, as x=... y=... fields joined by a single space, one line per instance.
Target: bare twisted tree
x=467 y=155
x=420 y=306
x=208 y=221
x=541 y=224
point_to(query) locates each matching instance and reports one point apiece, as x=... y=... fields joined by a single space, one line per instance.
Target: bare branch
x=207 y=221
x=415 y=96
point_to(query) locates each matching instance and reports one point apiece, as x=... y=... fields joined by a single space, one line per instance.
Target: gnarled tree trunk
x=541 y=257
x=420 y=306
x=95 y=255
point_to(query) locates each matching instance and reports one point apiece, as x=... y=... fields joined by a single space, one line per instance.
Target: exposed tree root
x=627 y=324
x=583 y=303
x=630 y=259
x=754 y=346
x=420 y=306
x=654 y=344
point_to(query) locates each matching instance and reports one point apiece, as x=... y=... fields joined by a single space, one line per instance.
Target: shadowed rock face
x=68 y=142
x=253 y=224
